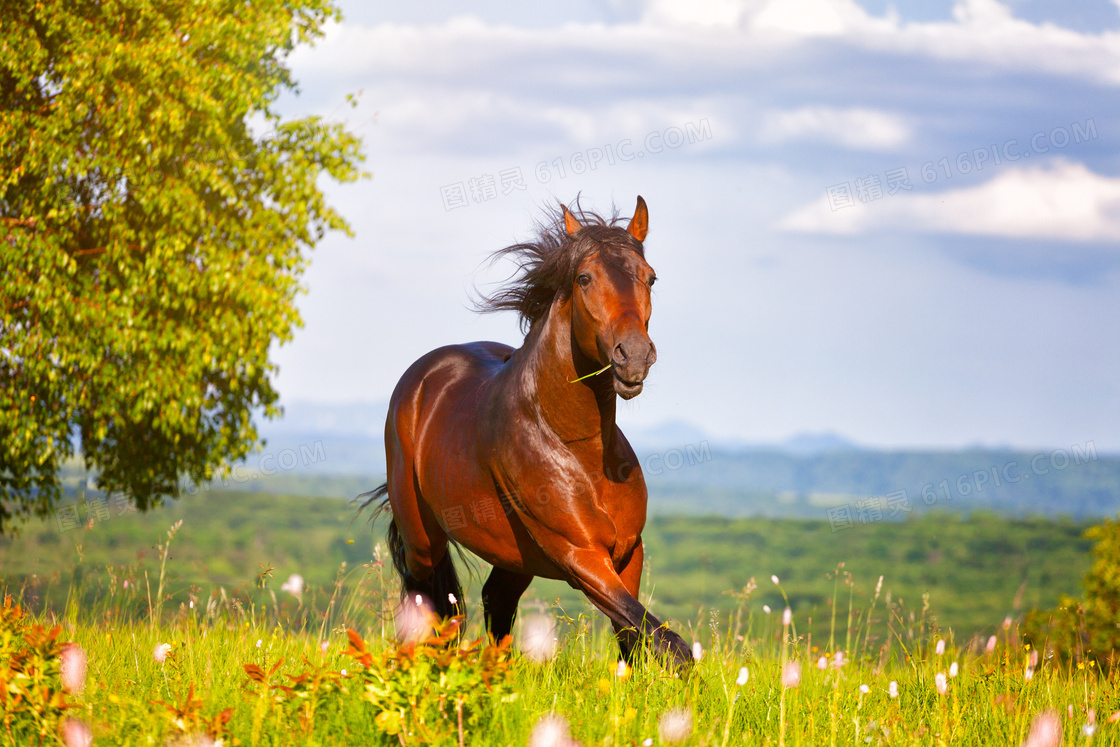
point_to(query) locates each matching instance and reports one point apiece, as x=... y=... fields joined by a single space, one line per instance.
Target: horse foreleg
x=500 y=595
x=594 y=574
x=631 y=576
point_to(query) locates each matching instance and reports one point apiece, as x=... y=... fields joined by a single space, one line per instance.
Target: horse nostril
x=620 y=354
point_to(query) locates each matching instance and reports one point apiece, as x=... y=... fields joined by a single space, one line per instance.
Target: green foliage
x=434 y=689
x=1089 y=628
x=31 y=697
x=151 y=243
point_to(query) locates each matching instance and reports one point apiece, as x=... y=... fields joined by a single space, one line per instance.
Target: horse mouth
x=626 y=389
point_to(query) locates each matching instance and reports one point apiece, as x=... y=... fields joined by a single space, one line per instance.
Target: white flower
x=675 y=725
x=791 y=674
x=620 y=670
x=774 y=579
x=538 y=638
x=192 y=604
x=953 y=669
x=940 y=648
x=414 y=621
x=864 y=689
x=551 y=731
x=324 y=646
x=697 y=651
x=892 y=689
x=1028 y=675
x=343 y=672
x=838 y=660
x=648 y=742
x=766 y=608
x=451 y=598
x=787 y=616
x=942 y=683
x=822 y=663
x=1046 y=731
x=73 y=668
x=419 y=600
x=160 y=652
x=294 y=585
x=259 y=642
x=742 y=678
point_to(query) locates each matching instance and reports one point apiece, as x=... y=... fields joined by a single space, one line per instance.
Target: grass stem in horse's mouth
x=588 y=376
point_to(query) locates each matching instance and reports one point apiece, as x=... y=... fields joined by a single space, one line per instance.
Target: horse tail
x=443 y=587
x=378 y=499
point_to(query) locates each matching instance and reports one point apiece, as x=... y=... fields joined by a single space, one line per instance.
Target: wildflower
x=648 y=742
x=892 y=689
x=991 y=644
x=675 y=725
x=324 y=646
x=774 y=579
x=76 y=733
x=1090 y=727
x=73 y=668
x=864 y=689
x=1028 y=674
x=192 y=604
x=551 y=731
x=791 y=674
x=1007 y=623
x=343 y=672
x=1034 y=658
x=942 y=683
x=1114 y=718
x=621 y=669
x=939 y=649
x=742 y=678
x=766 y=608
x=259 y=642
x=822 y=663
x=1046 y=731
x=451 y=598
x=125 y=583
x=294 y=585
x=414 y=622
x=838 y=659
x=160 y=652
x=697 y=651
x=538 y=638
x=787 y=616
x=953 y=669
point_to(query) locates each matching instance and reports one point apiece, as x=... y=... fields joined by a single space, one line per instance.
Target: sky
x=895 y=221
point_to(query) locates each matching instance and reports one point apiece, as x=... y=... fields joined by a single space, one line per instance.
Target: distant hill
x=334 y=449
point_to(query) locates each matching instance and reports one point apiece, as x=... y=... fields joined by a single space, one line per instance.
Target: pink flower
x=73 y=666
x=787 y=616
x=822 y=663
x=324 y=646
x=991 y=645
x=76 y=733
x=953 y=669
x=675 y=725
x=940 y=648
x=791 y=674
x=892 y=689
x=538 y=638
x=838 y=659
x=941 y=682
x=160 y=652
x=864 y=689
x=775 y=580
x=1046 y=731
x=415 y=619
x=1034 y=658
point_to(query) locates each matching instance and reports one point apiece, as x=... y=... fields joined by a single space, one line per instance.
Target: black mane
x=548 y=265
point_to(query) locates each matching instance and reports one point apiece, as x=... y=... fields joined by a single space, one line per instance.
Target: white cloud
x=1064 y=201
x=857 y=128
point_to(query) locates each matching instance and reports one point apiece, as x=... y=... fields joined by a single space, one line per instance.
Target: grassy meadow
x=248 y=662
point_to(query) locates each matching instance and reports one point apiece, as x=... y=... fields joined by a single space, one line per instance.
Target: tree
x=152 y=244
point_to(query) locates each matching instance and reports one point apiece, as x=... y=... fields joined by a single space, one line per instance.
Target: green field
x=249 y=664
x=975 y=571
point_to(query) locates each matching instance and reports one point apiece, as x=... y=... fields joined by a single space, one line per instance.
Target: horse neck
x=575 y=412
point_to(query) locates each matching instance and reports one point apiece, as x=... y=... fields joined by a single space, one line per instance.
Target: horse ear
x=571 y=225
x=639 y=224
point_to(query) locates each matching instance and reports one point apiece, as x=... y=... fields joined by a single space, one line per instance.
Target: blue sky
x=896 y=221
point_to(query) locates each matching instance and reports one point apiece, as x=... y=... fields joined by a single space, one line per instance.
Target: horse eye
x=583 y=280
x=652 y=281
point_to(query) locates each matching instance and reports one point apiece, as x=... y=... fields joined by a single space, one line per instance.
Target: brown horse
x=515 y=454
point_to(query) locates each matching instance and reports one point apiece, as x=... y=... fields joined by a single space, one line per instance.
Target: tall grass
x=315 y=689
